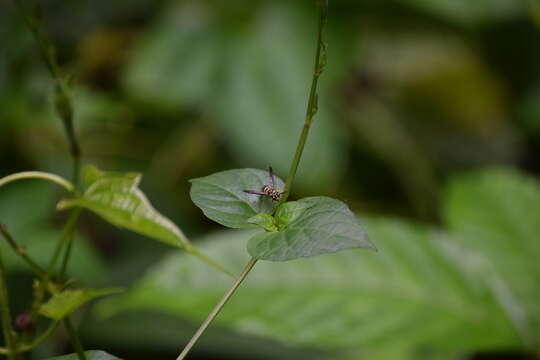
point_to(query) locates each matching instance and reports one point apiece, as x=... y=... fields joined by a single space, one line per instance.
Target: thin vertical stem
x=75 y=341
x=312 y=107
x=6 y=316
x=63 y=102
x=217 y=309
x=320 y=60
x=68 y=229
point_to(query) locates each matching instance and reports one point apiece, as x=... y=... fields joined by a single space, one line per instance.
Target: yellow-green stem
x=217 y=309
x=75 y=341
x=21 y=252
x=9 y=334
x=310 y=113
x=312 y=107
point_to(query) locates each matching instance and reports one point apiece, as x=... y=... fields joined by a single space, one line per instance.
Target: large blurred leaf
x=25 y=209
x=497 y=212
x=64 y=303
x=253 y=81
x=470 y=12
x=222 y=198
x=40 y=242
x=312 y=226
x=413 y=293
x=184 y=71
x=90 y=355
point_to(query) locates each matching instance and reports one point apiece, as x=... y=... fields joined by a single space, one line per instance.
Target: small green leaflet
x=90 y=355
x=310 y=227
x=62 y=304
x=265 y=221
x=221 y=196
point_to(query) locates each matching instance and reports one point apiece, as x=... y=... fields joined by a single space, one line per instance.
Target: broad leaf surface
x=470 y=12
x=497 y=212
x=189 y=44
x=64 y=303
x=116 y=197
x=221 y=196
x=413 y=294
x=90 y=355
x=310 y=227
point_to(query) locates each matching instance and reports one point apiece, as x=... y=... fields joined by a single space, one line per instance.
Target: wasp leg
x=254 y=192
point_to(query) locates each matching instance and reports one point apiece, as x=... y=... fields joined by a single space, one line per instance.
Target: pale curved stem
x=38 y=175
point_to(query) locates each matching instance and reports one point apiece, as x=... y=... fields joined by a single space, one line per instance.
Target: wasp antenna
x=272 y=179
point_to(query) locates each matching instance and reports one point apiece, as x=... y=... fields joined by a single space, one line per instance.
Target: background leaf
x=90 y=355
x=497 y=212
x=353 y=299
x=64 y=303
x=30 y=227
x=324 y=226
x=221 y=196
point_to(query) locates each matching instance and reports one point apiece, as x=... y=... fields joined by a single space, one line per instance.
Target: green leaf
x=221 y=196
x=415 y=294
x=310 y=227
x=64 y=303
x=90 y=355
x=117 y=198
x=266 y=221
x=497 y=212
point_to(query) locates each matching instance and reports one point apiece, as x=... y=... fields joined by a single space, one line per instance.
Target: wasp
x=268 y=190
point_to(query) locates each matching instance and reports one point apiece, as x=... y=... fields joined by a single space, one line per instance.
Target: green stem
x=193 y=251
x=75 y=341
x=27 y=347
x=21 y=252
x=312 y=107
x=63 y=101
x=310 y=114
x=217 y=309
x=68 y=231
x=38 y=175
x=9 y=334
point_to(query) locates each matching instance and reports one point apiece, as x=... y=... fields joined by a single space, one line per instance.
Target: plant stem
x=75 y=341
x=68 y=229
x=38 y=175
x=21 y=252
x=6 y=316
x=312 y=107
x=63 y=103
x=217 y=309
x=320 y=60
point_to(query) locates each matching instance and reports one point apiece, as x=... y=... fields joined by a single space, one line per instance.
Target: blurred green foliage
x=416 y=92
